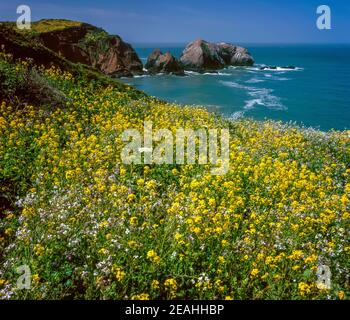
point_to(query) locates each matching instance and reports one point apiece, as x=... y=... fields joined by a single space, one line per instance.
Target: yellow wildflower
x=39 y=249
x=153 y=257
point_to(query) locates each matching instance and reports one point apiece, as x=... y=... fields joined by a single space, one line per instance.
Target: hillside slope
x=28 y=47
x=83 y=43
x=90 y=226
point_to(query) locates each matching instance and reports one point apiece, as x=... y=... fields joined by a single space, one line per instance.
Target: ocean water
x=316 y=94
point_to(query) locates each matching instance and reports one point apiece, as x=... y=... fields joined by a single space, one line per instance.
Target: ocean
x=315 y=94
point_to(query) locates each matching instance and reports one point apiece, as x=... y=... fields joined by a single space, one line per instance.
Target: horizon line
x=246 y=43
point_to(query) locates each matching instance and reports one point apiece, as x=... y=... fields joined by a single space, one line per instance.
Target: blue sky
x=180 y=21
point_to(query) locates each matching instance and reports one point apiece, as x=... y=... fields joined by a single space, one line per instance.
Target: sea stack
x=204 y=56
x=158 y=62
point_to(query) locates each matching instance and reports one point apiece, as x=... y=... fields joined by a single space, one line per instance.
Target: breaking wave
x=259 y=97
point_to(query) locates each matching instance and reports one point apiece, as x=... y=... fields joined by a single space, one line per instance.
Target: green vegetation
x=49 y=25
x=95 y=42
x=25 y=48
x=91 y=227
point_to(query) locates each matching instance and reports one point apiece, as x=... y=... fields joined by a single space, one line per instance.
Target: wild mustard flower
x=155 y=284
x=119 y=273
x=254 y=273
x=304 y=288
x=282 y=207
x=39 y=249
x=153 y=257
x=341 y=295
x=171 y=287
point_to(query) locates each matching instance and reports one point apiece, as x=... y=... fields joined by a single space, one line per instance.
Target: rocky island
x=200 y=56
x=158 y=62
x=203 y=56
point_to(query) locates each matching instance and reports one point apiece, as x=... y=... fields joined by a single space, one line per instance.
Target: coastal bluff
x=92 y=46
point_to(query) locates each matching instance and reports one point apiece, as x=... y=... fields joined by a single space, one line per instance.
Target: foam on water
x=233 y=84
x=251 y=103
x=264 y=97
x=277 y=69
x=217 y=74
x=281 y=79
x=260 y=96
x=283 y=69
x=192 y=73
x=142 y=76
x=254 y=80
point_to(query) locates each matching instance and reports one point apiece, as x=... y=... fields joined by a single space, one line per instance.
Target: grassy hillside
x=24 y=46
x=91 y=227
x=48 y=25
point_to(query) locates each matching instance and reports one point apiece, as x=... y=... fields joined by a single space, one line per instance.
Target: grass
x=45 y=25
x=91 y=227
x=49 y=25
x=25 y=48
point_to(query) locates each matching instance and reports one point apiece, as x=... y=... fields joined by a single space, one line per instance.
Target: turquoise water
x=317 y=94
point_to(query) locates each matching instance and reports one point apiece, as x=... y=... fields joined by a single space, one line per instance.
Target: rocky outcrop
x=92 y=46
x=234 y=55
x=30 y=87
x=158 y=62
x=202 y=56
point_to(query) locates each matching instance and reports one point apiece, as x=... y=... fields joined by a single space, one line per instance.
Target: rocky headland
x=93 y=46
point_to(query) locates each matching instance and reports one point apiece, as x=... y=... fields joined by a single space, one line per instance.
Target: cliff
x=78 y=43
